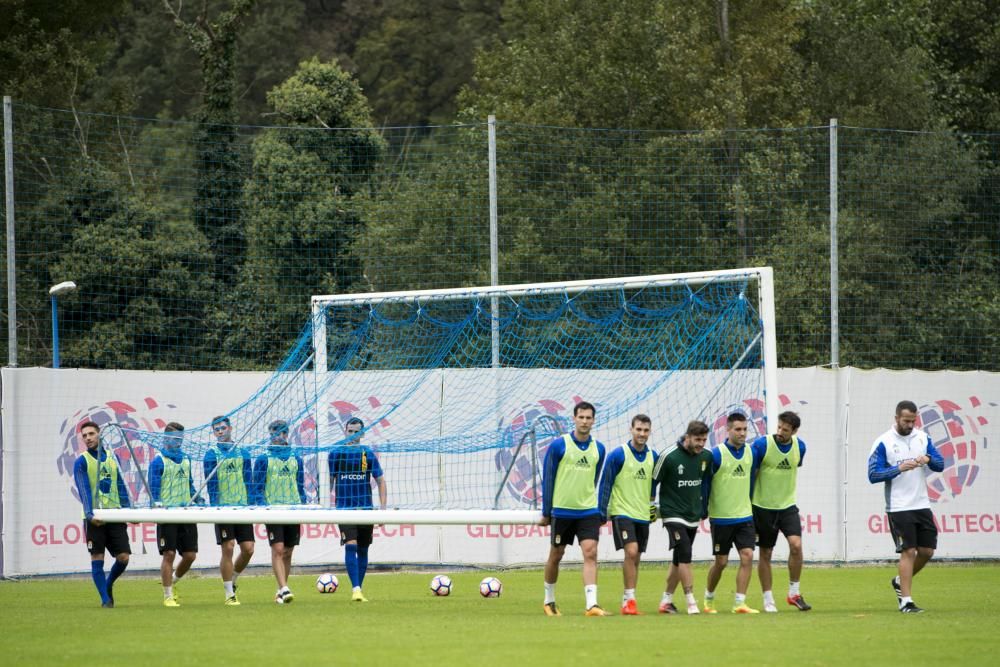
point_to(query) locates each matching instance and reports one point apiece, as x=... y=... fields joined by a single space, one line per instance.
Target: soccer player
x=900 y=459
x=352 y=469
x=778 y=458
x=279 y=480
x=99 y=484
x=171 y=485
x=682 y=474
x=626 y=491
x=229 y=472
x=730 y=513
x=569 y=504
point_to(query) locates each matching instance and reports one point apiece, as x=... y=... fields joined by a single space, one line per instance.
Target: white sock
x=168 y=591
x=769 y=597
x=356 y=589
x=590 y=592
x=690 y=598
x=709 y=595
x=550 y=593
x=906 y=599
x=235 y=575
x=284 y=589
x=176 y=579
x=741 y=598
x=229 y=588
x=667 y=598
x=896 y=579
x=629 y=594
x=793 y=588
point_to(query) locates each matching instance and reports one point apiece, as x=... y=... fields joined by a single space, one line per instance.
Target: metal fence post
x=8 y=168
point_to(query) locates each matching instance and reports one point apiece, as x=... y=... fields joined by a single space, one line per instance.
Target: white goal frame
x=323 y=514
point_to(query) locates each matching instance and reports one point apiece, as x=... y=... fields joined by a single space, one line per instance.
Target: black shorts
x=681 y=540
x=241 y=532
x=362 y=534
x=182 y=537
x=110 y=536
x=771 y=522
x=912 y=529
x=626 y=530
x=287 y=534
x=564 y=529
x=724 y=536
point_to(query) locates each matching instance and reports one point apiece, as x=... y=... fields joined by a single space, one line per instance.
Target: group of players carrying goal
x=747 y=493
x=276 y=477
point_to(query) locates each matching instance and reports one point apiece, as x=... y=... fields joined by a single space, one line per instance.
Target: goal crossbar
x=298 y=514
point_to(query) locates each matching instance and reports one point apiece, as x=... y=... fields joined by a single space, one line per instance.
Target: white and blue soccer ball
x=327 y=583
x=490 y=587
x=441 y=585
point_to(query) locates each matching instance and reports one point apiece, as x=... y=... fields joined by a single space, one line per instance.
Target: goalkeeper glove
x=654 y=512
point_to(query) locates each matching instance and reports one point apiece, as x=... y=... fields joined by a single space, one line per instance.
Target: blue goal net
x=445 y=400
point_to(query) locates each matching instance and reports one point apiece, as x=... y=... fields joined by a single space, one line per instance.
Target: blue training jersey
x=352 y=468
x=738 y=454
x=612 y=466
x=553 y=455
x=82 y=480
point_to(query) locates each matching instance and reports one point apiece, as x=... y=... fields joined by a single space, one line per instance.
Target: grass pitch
x=853 y=621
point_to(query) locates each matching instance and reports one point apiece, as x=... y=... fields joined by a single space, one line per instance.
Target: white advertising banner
x=842 y=413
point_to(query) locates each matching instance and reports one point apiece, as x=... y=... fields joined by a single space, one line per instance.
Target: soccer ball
x=327 y=583
x=441 y=585
x=490 y=587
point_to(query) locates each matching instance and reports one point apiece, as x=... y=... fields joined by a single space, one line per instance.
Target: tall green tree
x=300 y=205
x=213 y=36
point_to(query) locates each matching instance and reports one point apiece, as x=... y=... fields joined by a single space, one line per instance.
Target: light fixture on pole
x=54 y=292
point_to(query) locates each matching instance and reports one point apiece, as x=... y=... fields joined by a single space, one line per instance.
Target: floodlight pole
x=54 y=292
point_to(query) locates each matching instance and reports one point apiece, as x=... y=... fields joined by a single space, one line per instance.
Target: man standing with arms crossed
x=626 y=492
x=230 y=476
x=900 y=459
x=778 y=458
x=352 y=469
x=683 y=474
x=730 y=512
x=99 y=484
x=569 y=504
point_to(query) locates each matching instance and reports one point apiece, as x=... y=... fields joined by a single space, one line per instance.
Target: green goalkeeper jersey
x=682 y=476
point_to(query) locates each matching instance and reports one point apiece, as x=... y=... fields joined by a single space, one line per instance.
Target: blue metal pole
x=55 y=335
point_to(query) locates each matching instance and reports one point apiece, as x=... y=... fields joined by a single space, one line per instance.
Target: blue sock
x=97 y=572
x=351 y=561
x=116 y=571
x=362 y=563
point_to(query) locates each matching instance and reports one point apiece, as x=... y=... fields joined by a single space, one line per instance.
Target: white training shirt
x=907 y=490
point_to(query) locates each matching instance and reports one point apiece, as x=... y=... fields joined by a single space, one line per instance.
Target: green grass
x=854 y=621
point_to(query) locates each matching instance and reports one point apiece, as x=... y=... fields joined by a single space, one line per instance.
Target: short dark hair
x=173 y=426
x=584 y=405
x=735 y=417
x=696 y=427
x=220 y=419
x=90 y=423
x=277 y=426
x=790 y=418
x=644 y=419
x=909 y=406
x=354 y=420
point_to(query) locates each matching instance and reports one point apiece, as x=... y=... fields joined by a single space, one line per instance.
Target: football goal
x=451 y=397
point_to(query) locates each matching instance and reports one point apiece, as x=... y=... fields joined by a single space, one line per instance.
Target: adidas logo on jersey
x=641 y=474
x=784 y=465
x=583 y=463
x=739 y=471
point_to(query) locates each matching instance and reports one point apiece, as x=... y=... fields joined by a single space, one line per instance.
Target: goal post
x=452 y=396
